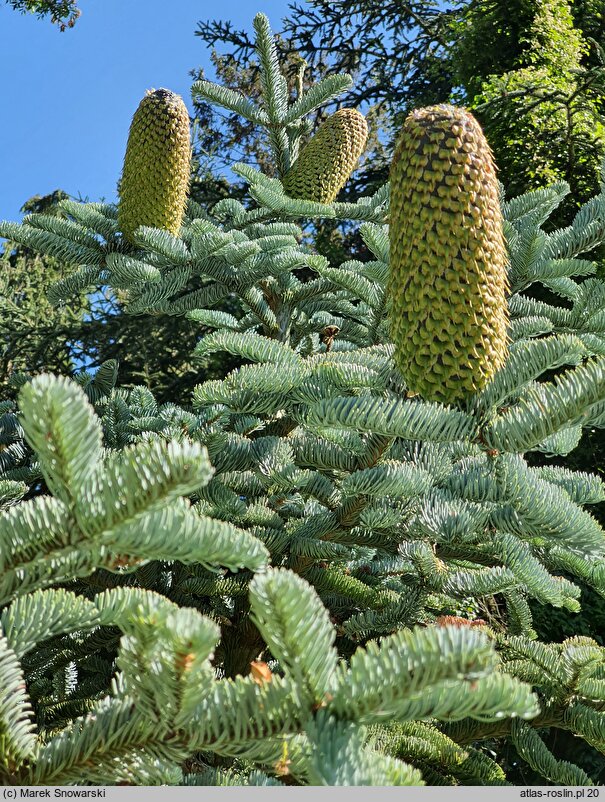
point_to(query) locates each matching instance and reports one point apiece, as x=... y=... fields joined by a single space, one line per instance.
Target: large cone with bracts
x=325 y=164
x=155 y=178
x=448 y=263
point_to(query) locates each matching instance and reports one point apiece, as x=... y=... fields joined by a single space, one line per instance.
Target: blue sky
x=68 y=97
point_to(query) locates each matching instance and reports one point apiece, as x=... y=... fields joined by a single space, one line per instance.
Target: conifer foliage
x=310 y=574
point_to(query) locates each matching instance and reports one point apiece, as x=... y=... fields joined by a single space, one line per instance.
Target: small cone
x=325 y=164
x=157 y=165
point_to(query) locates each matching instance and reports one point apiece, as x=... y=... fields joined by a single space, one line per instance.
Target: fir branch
x=297 y=629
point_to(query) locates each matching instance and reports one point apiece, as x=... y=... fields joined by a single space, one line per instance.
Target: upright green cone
x=448 y=279
x=157 y=165
x=327 y=161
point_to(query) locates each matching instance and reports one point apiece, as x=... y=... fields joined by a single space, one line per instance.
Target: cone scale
x=325 y=164
x=448 y=263
x=157 y=164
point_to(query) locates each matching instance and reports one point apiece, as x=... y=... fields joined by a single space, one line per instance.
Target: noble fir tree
x=318 y=571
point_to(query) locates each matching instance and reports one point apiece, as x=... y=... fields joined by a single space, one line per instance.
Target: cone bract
x=155 y=178
x=448 y=264
x=327 y=161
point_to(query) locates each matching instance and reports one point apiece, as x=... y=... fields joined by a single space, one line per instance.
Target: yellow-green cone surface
x=448 y=264
x=327 y=161
x=157 y=164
